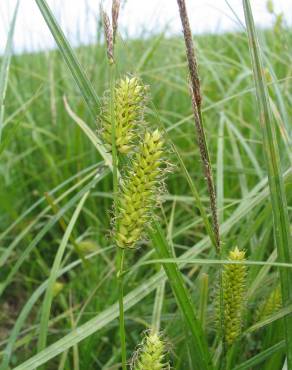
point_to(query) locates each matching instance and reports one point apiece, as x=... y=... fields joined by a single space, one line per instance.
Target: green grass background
x=42 y=147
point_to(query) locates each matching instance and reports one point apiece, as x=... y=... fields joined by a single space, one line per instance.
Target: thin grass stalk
x=204 y=287
x=120 y=252
x=48 y=299
x=157 y=309
x=5 y=65
x=276 y=183
x=120 y=264
x=196 y=98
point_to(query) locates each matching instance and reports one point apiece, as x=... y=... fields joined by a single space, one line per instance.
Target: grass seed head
x=151 y=355
x=139 y=191
x=109 y=37
x=271 y=305
x=115 y=15
x=234 y=289
x=129 y=105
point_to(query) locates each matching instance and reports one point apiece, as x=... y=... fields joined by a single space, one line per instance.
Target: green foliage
x=48 y=152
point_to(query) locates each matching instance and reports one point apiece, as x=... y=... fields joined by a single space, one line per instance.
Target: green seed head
x=152 y=353
x=271 y=305
x=129 y=102
x=138 y=192
x=234 y=286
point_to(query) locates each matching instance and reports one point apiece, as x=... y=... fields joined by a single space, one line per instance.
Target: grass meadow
x=58 y=278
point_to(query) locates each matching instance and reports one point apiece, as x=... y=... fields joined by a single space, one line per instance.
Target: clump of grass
x=138 y=191
x=151 y=355
x=233 y=284
x=128 y=108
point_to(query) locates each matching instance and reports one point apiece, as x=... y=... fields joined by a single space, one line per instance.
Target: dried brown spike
x=192 y=62
x=108 y=36
x=115 y=15
x=196 y=96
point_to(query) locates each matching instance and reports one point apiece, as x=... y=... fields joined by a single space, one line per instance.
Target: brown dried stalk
x=196 y=104
x=108 y=36
x=115 y=16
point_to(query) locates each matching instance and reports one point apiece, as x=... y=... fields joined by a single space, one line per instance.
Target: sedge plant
x=244 y=219
x=135 y=192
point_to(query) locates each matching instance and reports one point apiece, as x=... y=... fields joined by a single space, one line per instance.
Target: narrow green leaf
x=90 y=134
x=262 y=356
x=157 y=307
x=220 y=171
x=46 y=307
x=276 y=184
x=283 y=312
x=197 y=197
x=71 y=60
x=45 y=229
x=183 y=299
x=256 y=197
x=30 y=303
x=4 y=72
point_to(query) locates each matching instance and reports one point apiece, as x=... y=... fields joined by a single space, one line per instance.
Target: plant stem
x=196 y=97
x=120 y=254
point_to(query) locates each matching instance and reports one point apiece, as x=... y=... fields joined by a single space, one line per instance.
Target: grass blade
x=256 y=197
x=276 y=184
x=261 y=356
x=46 y=307
x=220 y=171
x=4 y=72
x=30 y=303
x=71 y=60
x=183 y=299
x=90 y=134
x=4 y=284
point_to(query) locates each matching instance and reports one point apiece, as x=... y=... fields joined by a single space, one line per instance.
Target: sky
x=138 y=18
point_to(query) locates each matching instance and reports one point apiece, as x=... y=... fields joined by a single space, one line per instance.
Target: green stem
x=120 y=255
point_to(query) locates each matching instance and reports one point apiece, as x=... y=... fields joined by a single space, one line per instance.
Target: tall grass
x=281 y=222
x=55 y=149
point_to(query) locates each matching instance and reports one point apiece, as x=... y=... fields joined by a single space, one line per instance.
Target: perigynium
x=234 y=285
x=128 y=105
x=151 y=355
x=139 y=189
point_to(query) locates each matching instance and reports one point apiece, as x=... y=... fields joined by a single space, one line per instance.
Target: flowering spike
x=271 y=305
x=129 y=99
x=138 y=192
x=233 y=283
x=152 y=353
